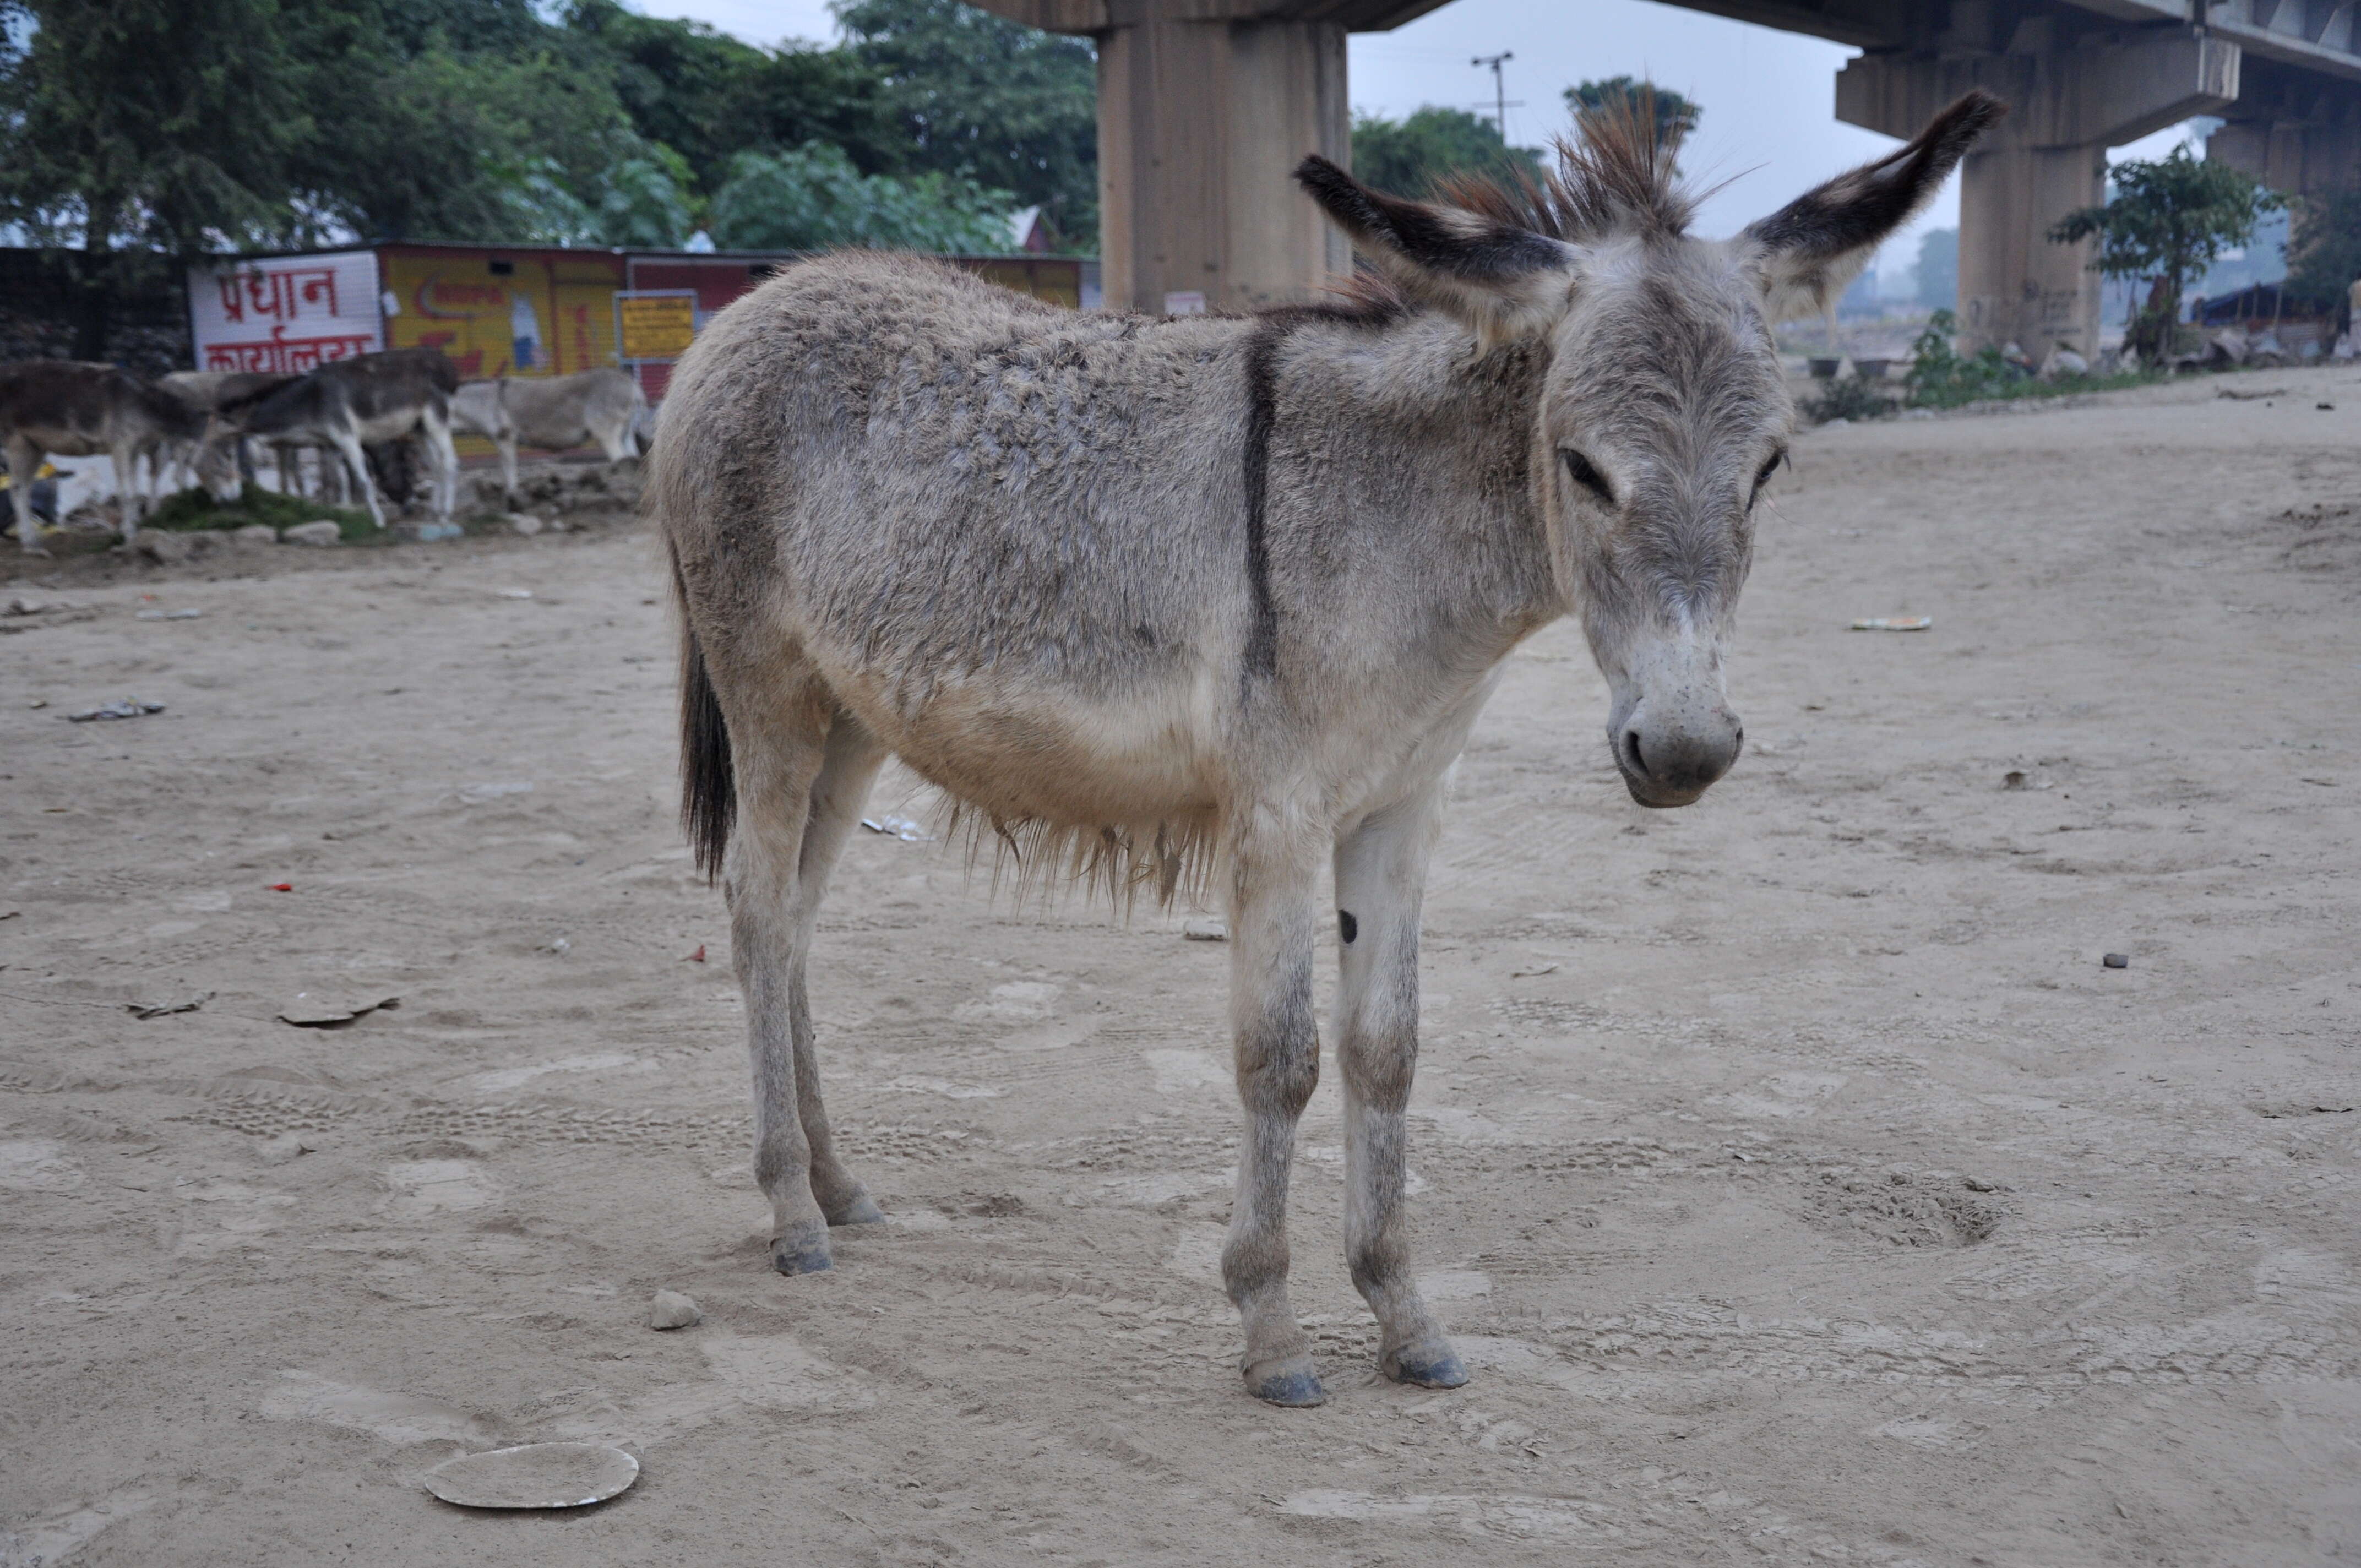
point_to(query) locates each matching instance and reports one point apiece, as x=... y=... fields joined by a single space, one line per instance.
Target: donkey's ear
x=1505 y=281
x=1810 y=249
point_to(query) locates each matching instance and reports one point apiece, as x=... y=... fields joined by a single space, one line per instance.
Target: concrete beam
x=2293 y=158
x=2106 y=92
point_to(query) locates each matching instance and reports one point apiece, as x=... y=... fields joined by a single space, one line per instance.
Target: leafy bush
x=196 y=509
x=1851 y=397
x=1942 y=378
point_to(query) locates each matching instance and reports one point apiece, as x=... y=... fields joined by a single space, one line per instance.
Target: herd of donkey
x=197 y=422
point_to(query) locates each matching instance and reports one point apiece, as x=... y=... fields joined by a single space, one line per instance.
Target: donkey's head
x=1663 y=411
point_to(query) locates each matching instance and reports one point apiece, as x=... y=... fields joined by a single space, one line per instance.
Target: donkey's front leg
x=1380 y=875
x=1278 y=1045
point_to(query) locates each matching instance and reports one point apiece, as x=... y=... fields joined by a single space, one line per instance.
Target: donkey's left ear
x=1810 y=249
x=1505 y=281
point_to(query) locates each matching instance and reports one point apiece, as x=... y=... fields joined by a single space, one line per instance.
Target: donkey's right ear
x=1504 y=281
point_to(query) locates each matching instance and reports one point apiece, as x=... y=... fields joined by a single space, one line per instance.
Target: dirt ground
x=1797 y=1181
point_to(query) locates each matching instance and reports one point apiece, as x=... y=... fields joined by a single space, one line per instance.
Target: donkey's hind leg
x=1278 y=1044
x=1380 y=875
x=848 y=766
x=777 y=753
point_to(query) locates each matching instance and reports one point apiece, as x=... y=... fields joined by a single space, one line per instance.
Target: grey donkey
x=1164 y=602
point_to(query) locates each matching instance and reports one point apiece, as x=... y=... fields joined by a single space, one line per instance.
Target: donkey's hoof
x=862 y=1210
x=801 y=1254
x=1290 y=1382
x=1431 y=1363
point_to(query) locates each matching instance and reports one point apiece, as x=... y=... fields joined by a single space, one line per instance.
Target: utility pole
x=1500 y=89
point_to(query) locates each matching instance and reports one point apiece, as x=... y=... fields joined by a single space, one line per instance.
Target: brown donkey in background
x=1213 y=598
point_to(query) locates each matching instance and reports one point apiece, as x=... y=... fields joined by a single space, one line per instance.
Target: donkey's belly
x=1143 y=757
x=386 y=427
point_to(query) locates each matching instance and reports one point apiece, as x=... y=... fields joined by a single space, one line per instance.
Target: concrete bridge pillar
x=2069 y=102
x=1200 y=123
x=1205 y=107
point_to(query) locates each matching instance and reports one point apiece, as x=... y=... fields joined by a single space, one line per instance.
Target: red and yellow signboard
x=527 y=312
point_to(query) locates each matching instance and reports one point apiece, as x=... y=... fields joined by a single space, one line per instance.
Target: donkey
x=206 y=391
x=351 y=403
x=1192 y=599
x=604 y=405
x=68 y=408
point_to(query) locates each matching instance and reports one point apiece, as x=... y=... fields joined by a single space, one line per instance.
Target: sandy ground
x=1798 y=1183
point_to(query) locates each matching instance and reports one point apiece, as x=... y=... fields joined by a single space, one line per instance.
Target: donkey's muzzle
x=1670 y=758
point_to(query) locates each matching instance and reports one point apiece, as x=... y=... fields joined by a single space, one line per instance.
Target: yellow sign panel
x=657 y=328
x=534 y=312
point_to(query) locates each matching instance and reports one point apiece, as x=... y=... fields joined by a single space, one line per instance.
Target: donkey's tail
x=709 y=785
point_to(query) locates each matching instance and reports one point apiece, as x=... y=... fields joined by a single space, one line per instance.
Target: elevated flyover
x=1205 y=105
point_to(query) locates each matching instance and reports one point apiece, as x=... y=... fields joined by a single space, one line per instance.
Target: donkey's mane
x=1615 y=175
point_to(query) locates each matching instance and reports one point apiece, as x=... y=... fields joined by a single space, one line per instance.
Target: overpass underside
x=1204 y=105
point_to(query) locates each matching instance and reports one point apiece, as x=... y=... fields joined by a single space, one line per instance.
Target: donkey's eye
x=1763 y=475
x=1586 y=474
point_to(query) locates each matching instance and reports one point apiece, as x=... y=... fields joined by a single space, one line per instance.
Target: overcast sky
x=1770 y=126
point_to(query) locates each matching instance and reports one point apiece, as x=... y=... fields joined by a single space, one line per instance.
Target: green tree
x=2326 y=255
x=645 y=200
x=148 y=123
x=1938 y=269
x=978 y=99
x=812 y=197
x=1676 y=116
x=709 y=96
x=1411 y=156
x=2167 y=221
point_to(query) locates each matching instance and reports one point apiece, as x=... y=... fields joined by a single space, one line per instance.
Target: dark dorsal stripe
x=1262 y=414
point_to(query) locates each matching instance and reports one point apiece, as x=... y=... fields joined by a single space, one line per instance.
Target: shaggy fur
x=1160 y=599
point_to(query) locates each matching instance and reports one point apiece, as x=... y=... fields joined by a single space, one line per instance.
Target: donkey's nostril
x=1631 y=752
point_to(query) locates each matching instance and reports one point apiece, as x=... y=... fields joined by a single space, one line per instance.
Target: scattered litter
x=524 y=522
x=671 y=1309
x=165 y=1009
x=536 y=1476
x=2013 y=779
x=129 y=707
x=901 y=827
x=1533 y=973
x=560 y=946
x=169 y=614
x=1204 y=929
x=39 y=702
x=2245 y=397
x=697 y=957
x=476 y=794
x=9 y=913
x=2117 y=961
x=430 y=532
x=282 y=887
x=2324 y=405
x=322 y=533
x=1894 y=623
x=515 y=593
x=283 y=1148
x=21 y=605
x=306 y=1012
